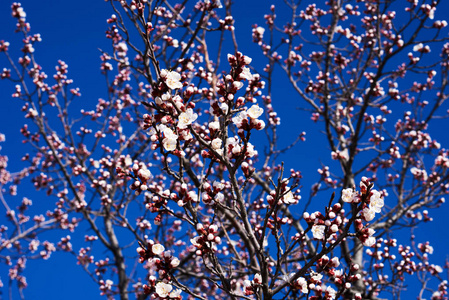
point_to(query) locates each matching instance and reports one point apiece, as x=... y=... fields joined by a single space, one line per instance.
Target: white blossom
x=288 y=198
x=246 y=74
x=144 y=173
x=247 y=60
x=224 y=108
x=219 y=197
x=376 y=201
x=214 y=125
x=250 y=151
x=348 y=195
x=331 y=292
x=194 y=241
x=418 y=47
x=174 y=262
x=169 y=144
x=237 y=85
x=260 y=30
x=302 y=282
x=254 y=111
x=318 y=231
x=216 y=143
x=163 y=289
x=170 y=138
x=316 y=277
x=175 y=293
x=186 y=118
x=157 y=249
x=238 y=119
x=368 y=213
x=369 y=241
x=193 y=196
x=172 y=79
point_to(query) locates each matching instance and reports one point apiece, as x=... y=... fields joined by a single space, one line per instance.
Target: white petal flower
x=174 y=262
x=168 y=133
x=144 y=173
x=214 y=125
x=288 y=198
x=216 y=143
x=368 y=213
x=318 y=231
x=238 y=119
x=247 y=60
x=157 y=249
x=369 y=241
x=246 y=74
x=194 y=241
x=348 y=195
x=163 y=289
x=175 y=294
x=237 y=84
x=172 y=80
x=335 y=262
x=246 y=283
x=169 y=144
x=193 y=196
x=331 y=292
x=128 y=161
x=257 y=278
x=254 y=111
x=316 y=277
x=302 y=282
x=376 y=201
x=224 y=108
x=219 y=197
x=186 y=118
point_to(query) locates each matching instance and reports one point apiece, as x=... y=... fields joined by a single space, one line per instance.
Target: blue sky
x=73 y=31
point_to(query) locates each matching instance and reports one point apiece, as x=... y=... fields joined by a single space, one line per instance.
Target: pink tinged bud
x=334 y=228
x=335 y=262
x=260 y=125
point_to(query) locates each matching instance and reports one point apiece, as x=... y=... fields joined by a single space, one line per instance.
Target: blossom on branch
x=318 y=231
x=172 y=79
x=186 y=118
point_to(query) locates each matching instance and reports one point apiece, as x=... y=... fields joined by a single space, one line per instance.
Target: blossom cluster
x=163 y=262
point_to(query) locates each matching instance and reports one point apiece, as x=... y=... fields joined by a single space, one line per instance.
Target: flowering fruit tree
x=182 y=161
